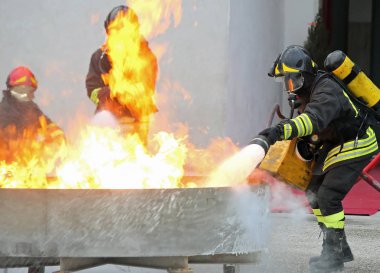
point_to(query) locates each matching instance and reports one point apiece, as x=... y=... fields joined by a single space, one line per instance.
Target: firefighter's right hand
x=111 y=104
x=104 y=94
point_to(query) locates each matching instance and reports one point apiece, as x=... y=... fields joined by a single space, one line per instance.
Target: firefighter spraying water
x=238 y=167
x=324 y=149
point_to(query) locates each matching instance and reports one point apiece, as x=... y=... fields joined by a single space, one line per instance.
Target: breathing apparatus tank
x=354 y=78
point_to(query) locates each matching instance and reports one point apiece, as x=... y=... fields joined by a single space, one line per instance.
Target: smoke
x=252 y=203
x=105 y=119
x=287 y=199
x=236 y=169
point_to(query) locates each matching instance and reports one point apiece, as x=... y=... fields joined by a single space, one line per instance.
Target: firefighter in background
x=98 y=89
x=22 y=123
x=347 y=144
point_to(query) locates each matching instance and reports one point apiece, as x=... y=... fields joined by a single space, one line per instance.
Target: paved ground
x=293 y=239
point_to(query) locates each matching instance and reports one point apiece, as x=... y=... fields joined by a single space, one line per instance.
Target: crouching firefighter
x=24 y=128
x=347 y=145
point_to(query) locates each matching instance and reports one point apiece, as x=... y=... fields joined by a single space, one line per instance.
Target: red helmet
x=21 y=76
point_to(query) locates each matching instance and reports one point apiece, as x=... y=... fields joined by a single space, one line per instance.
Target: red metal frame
x=367 y=177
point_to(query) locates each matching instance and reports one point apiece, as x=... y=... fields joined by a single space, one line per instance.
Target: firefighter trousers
x=326 y=192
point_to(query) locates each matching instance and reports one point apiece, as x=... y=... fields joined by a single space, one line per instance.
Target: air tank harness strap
x=354 y=72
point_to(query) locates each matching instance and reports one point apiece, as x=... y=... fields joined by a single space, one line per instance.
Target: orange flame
x=106 y=159
x=28 y=159
x=156 y=16
x=133 y=74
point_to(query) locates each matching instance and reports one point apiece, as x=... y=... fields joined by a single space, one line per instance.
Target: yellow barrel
x=356 y=80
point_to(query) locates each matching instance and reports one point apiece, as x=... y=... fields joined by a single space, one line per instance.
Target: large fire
x=110 y=157
x=107 y=159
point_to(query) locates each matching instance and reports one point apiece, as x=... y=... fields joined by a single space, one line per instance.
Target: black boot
x=331 y=259
x=347 y=254
x=323 y=230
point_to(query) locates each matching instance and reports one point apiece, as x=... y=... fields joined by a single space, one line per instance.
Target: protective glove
x=272 y=134
x=261 y=141
x=268 y=137
x=111 y=104
x=104 y=94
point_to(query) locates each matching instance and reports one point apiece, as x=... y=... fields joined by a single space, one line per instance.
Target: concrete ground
x=292 y=240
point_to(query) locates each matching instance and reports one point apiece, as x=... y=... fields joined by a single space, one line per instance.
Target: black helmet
x=115 y=11
x=294 y=64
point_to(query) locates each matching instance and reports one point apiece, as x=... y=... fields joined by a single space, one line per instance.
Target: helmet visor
x=293 y=82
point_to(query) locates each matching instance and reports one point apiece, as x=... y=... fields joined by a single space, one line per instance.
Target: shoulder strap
x=355 y=99
x=320 y=76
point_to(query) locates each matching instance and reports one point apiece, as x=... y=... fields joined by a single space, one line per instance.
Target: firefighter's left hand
x=272 y=134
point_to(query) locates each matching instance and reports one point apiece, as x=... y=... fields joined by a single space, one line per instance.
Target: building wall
x=256 y=38
x=298 y=15
x=259 y=31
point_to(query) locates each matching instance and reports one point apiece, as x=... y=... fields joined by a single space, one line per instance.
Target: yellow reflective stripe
x=94 y=95
x=286 y=68
x=351 y=154
x=306 y=120
x=300 y=126
x=303 y=124
x=320 y=219
x=276 y=71
x=349 y=100
x=287 y=130
x=52 y=125
x=334 y=217
x=20 y=80
x=336 y=225
x=56 y=133
x=34 y=81
x=318 y=214
x=351 y=144
x=334 y=220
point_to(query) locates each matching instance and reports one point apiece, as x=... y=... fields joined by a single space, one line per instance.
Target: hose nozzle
x=262 y=141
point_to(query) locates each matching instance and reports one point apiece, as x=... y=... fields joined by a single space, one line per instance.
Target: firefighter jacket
x=24 y=123
x=96 y=80
x=330 y=113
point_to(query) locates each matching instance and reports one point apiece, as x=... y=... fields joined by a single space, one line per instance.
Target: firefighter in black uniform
x=22 y=123
x=98 y=88
x=346 y=145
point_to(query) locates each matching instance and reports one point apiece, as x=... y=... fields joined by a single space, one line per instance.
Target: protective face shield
x=23 y=93
x=293 y=82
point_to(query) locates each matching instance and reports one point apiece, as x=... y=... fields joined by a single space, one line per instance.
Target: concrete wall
x=259 y=31
x=256 y=37
x=215 y=65
x=298 y=14
x=197 y=61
